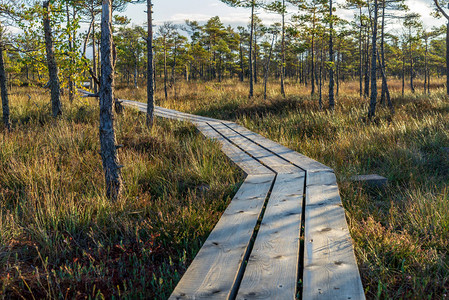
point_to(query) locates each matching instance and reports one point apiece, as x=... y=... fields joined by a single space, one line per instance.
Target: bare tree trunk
x=312 y=74
x=94 y=53
x=360 y=55
x=173 y=72
x=4 y=88
x=70 y=44
x=283 y=50
x=382 y=53
x=267 y=68
x=52 y=66
x=425 y=65
x=251 y=84
x=165 y=68
x=403 y=72
x=94 y=58
x=387 y=91
x=367 y=77
x=150 y=66
x=373 y=98
x=241 y=61
x=255 y=56
x=107 y=135
x=412 y=86
x=447 y=58
x=331 y=58
x=320 y=99
x=136 y=73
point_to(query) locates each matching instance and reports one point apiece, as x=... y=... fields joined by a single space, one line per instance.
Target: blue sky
x=200 y=10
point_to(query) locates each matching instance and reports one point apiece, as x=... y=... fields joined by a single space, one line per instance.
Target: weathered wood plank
x=321 y=178
x=214 y=270
x=330 y=268
x=294 y=157
x=268 y=158
x=272 y=268
x=205 y=119
x=248 y=164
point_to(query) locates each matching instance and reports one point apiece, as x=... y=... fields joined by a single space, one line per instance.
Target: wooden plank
x=143 y=108
x=248 y=164
x=205 y=119
x=165 y=114
x=321 y=178
x=294 y=157
x=330 y=267
x=268 y=158
x=170 y=112
x=214 y=270
x=272 y=268
x=244 y=161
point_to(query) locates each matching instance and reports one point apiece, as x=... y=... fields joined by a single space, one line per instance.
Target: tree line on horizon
x=310 y=46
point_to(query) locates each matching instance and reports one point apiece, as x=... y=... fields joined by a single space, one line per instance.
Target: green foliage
x=60 y=237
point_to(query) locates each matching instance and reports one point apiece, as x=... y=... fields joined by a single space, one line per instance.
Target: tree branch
x=441 y=9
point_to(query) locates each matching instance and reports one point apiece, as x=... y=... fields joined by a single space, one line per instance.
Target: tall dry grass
x=61 y=238
x=401 y=232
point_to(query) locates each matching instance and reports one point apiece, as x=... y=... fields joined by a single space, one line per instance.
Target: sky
x=177 y=11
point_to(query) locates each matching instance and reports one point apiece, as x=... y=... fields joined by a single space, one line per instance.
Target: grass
x=60 y=237
x=400 y=233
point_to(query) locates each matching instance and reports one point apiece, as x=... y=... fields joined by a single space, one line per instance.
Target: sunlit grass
x=60 y=237
x=400 y=233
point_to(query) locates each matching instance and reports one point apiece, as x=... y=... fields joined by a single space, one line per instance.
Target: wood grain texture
x=214 y=270
x=266 y=157
x=330 y=267
x=248 y=164
x=272 y=268
x=321 y=178
x=294 y=157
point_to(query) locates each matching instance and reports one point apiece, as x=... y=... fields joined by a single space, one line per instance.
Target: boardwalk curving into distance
x=255 y=250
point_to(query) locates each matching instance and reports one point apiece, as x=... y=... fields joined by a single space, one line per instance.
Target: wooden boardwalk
x=255 y=250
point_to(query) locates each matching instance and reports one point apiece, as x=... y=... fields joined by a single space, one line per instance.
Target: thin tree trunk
x=425 y=66
x=136 y=74
x=367 y=76
x=447 y=58
x=255 y=56
x=4 y=87
x=165 y=68
x=312 y=74
x=52 y=66
x=70 y=44
x=86 y=39
x=412 y=87
x=387 y=91
x=173 y=72
x=331 y=58
x=382 y=53
x=339 y=59
x=241 y=61
x=107 y=135
x=373 y=98
x=403 y=72
x=94 y=54
x=360 y=55
x=150 y=77
x=251 y=84
x=283 y=50
x=320 y=99
x=267 y=68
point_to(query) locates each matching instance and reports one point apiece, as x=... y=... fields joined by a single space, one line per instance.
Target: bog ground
x=61 y=238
